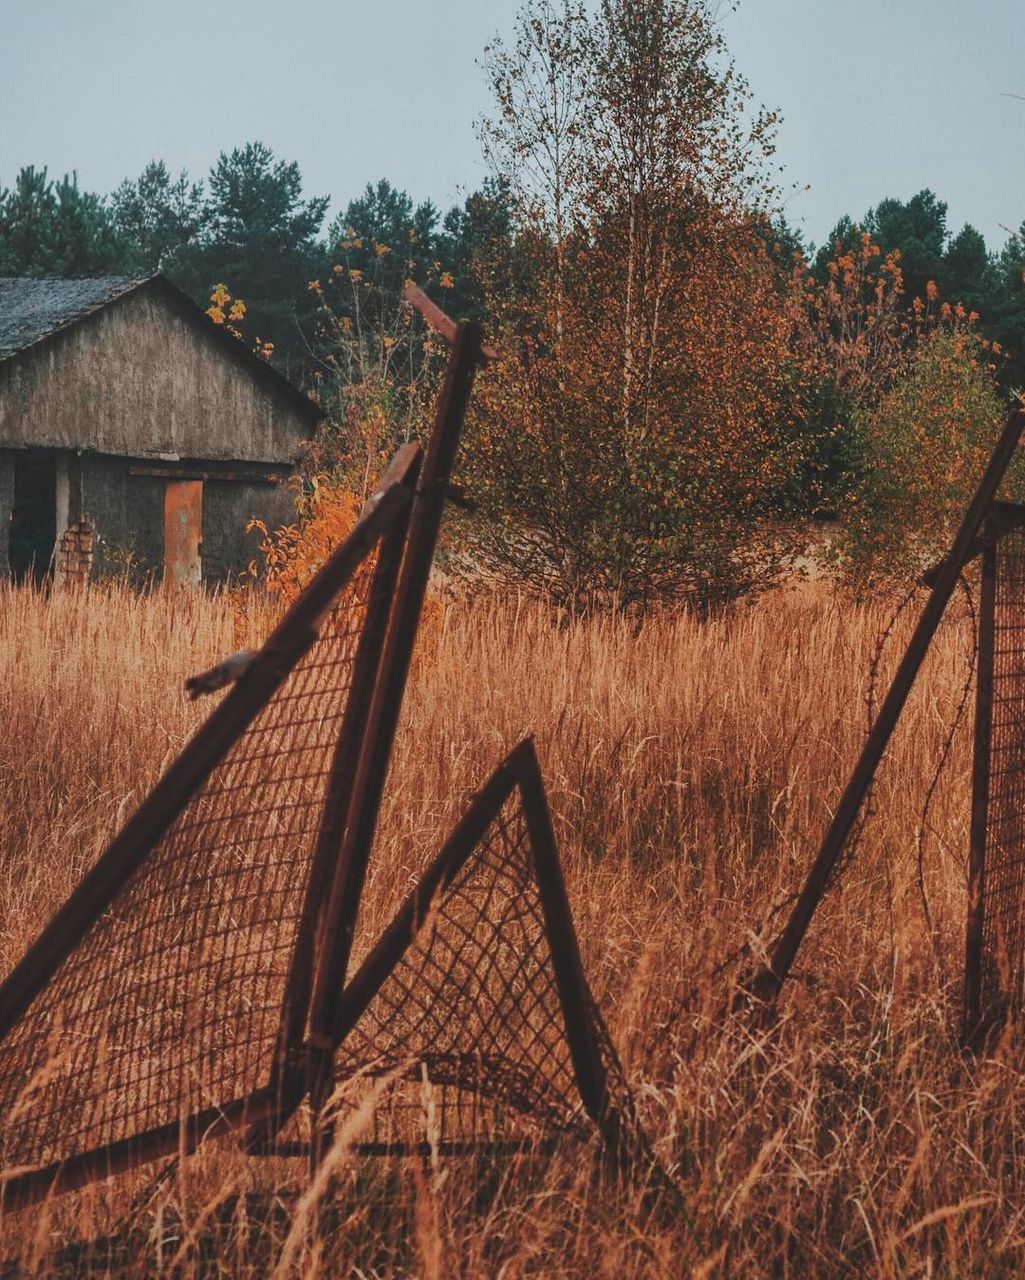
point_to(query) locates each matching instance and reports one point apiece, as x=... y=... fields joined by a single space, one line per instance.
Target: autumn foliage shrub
x=325 y=515
x=669 y=488
x=639 y=438
x=924 y=447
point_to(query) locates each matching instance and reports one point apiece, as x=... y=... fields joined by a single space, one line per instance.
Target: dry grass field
x=691 y=767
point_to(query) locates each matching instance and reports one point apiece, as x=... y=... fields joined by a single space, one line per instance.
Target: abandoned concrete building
x=123 y=404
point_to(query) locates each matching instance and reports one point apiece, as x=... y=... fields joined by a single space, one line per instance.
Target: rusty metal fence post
x=287 y=1080
x=995 y=941
x=980 y=788
x=765 y=984
x=338 y=922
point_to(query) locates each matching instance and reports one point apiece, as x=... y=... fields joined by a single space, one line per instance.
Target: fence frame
x=402 y=518
x=765 y=984
x=385 y=512
x=981 y=1018
x=519 y=771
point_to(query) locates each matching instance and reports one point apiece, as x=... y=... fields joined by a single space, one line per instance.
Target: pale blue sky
x=880 y=97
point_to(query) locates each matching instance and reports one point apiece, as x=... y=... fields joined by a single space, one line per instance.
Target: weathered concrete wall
x=128 y=513
x=6 y=506
x=228 y=506
x=140 y=380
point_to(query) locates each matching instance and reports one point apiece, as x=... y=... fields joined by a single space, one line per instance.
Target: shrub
x=923 y=447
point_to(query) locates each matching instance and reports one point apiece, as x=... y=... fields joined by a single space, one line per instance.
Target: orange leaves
x=292 y=555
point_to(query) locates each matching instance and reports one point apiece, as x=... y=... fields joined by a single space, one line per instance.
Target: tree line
x=248 y=225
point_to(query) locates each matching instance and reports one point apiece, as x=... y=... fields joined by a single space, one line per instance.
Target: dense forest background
x=250 y=225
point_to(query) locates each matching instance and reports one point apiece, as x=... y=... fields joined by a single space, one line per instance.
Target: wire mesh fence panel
x=1002 y=967
x=463 y=1044
x=171 y=1001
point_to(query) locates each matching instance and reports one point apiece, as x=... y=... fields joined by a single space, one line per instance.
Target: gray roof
x=33 y=309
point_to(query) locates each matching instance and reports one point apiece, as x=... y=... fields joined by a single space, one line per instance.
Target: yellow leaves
x=219 y=299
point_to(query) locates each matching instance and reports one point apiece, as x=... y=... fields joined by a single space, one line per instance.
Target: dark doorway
x=33 y=528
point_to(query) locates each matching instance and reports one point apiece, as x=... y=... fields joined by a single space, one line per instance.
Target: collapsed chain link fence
x=472 y=1006
x=462 y=1017
x=169 y=997
x=171 y=1001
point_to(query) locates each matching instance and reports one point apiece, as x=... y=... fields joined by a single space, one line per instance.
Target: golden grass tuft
x=691 y=767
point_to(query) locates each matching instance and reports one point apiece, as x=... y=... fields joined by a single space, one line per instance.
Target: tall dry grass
x=691 y=768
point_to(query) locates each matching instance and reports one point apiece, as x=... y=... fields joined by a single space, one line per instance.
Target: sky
x=879 y=98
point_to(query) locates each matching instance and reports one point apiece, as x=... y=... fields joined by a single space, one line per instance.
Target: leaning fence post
x=338 y=922
x=286 y=1081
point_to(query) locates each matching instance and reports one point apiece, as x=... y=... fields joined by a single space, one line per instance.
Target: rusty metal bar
x=286 y=1084
x=21 y=1190
x=981 y=764
x=574 y=998
x=334 y=941
x=438 y=320
x=292 y=637
x=422 y=1150
x=388 y=950
x=191 y=473
x=766 y=983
